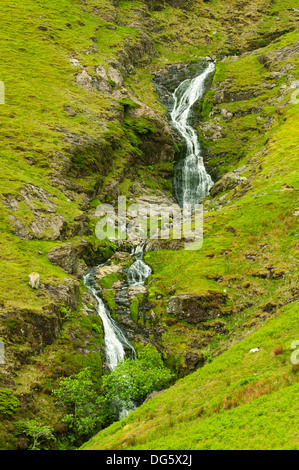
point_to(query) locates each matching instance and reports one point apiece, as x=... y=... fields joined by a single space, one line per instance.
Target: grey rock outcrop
x=66 y=293
x=64 y=256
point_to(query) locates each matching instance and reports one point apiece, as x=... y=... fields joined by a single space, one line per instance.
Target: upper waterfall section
x=191 y=182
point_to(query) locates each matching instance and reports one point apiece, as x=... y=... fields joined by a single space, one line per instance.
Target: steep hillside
x=82 y=124
x=242 y=400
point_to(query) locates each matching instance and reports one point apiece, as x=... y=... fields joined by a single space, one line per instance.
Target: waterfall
x=191 y=185
x=115 y=342
x=191 y=181
x=138 y=271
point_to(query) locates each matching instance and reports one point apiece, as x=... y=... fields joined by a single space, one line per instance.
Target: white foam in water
x=139 y=271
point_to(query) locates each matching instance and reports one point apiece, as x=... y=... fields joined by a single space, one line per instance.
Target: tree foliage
x=91 y=405
x=36 y=430
x=78 y=394
x=133 y=380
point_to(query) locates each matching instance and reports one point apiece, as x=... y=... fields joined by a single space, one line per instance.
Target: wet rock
x=106 y=270
x=133 y=291
x=168 y=79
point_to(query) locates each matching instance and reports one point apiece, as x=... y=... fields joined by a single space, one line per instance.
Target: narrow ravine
x=191 y=184
x=116 y=346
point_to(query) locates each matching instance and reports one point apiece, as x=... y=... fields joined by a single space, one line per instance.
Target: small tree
x=36 y=430
x=133 y=380
x=78 y=394
x=89 y=406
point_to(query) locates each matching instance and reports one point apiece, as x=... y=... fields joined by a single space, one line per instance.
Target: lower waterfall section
x=115 y=341
x=116 y=345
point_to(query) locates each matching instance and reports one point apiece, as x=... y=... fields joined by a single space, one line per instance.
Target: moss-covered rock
x=195 y=309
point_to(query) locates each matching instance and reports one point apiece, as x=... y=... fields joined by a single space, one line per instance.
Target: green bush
x=133 y=380
x=8 y=403
x=36 y=430
x=78 y=394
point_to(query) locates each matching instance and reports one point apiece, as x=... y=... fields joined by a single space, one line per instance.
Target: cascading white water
x=191 y=181
x=138 y=271
x=115 y=341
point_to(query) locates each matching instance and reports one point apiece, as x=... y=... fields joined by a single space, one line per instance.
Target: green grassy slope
x=241 y=400
x=250 y=246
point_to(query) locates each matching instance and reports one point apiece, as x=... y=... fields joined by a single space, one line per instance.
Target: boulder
x=64 y=256
x=34 y=280
x=229 y=181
